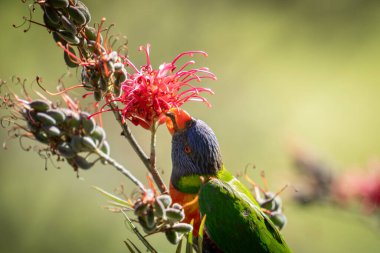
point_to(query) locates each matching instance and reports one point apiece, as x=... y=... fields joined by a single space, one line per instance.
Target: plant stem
x=120 y=168
x=153 y=170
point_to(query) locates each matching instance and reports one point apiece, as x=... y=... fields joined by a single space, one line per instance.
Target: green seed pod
x=140 y=208
x=58 y=38
x=150 y=221
x=68 y=25
x=165 y=199
x=68 y=37
x=159 y=209
x=177 y=206
x=118 y=66
x=88 y=143
x=85 y=11
x=45 y=119
x=41 y=136
x=99 y=135
x=117 y=88
x=106 y=148
x=77 y=16
x=76 y=143
x=52 y=131
x=65 y=150
x=182 y=228
x=103 y=85
x=97 y=95
x=90 y=33
x=57 y=4
x=279 y=220
x=72 y=119
x=142 y=221
x=52 y=16
x=82 y=163
x=56 y=114
x=39 y=105
x=175 y=214
x=87 y=123
x=68 y=59
x=172 y=236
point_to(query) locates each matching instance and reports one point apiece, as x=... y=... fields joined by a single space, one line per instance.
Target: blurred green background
x=289 y=71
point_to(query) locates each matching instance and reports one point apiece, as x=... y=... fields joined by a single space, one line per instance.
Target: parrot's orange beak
x=176 y=120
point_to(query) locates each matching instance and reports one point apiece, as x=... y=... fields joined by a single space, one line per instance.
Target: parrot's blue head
x=195 y=149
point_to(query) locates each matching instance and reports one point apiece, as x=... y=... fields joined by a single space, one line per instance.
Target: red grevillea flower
x=149 y=93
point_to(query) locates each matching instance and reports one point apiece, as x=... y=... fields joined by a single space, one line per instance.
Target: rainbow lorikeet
x=234 y=221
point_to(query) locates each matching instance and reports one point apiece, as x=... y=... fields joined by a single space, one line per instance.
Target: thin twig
x=120 y=168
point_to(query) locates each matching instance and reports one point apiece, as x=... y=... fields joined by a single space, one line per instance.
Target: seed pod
x=182 y=228
x=106 y=148
x=113 y=56
x=68 y=25
x=97 y=95
x=68 y=37
x=57 y=4
x=70 y=62
x=41 y=136
x=140 y=208
x=159 y=209
x=177 y=206
x=103 y=85
x=52 y=131
x=118 y=66
x=175 y=214
x=65 y=150
x=279 y=220
x=150 y=221
x=85 y=11
x=45 y=119
x=87 y=123
x=165 y=199
x=76 y=143
x=90 y=33
x=73 y=119
x=56 y=114
x=82 y=163
x=77 y=16
x=172 y=236
x=99 y=135
x=88 y=143
x=58 y=38
x=52 y=16
x=142 y=221
x=39 y=105
x=117 y=88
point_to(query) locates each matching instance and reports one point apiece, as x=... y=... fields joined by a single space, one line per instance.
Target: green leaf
x=113 y=197
x=179 y=247
x=134 y=246
x=200 y=234
x=129 y=247
x=189 y=244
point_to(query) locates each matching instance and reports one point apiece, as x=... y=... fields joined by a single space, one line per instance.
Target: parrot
x=234 y=222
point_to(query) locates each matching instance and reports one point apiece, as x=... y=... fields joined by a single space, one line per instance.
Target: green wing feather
x=235 y=222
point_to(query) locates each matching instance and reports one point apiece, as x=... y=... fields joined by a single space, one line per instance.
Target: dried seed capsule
x=70 y=62
x=73 y=119
x=172 y=236
x=117 y=88
x=182 y=228
x=41 y=136
x=82 y=163
x=159 y=209
x=90 y=33
x=175 y=214
x=142 y=221
x=58 y=115
x=39 y=105
x=65 y=150
x=77 y=16
x=103 y=84
x=76 y=143
x=106 y=148
x=279 y=220
x=52 y=131
x=87 y=123
x=68 y=37
x=88 y=143
x=58 y=38
x=68 y=25
x=165 y=199
x=57 y=4
x=45 y=119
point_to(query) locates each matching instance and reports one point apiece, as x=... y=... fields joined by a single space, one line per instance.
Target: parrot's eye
x=187 y=149
x=189 y=123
